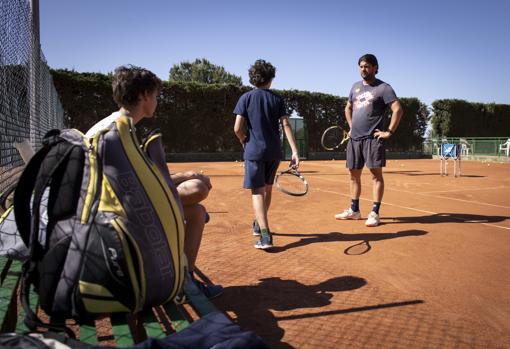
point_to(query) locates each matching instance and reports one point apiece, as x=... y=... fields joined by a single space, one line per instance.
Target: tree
x=203 y=71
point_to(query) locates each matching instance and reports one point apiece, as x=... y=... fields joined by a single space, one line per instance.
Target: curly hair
x=370 y=59
x=130 y=81
x=261 y=72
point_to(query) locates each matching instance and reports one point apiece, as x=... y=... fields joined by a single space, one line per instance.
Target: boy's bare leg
x=258 y=197
x=260 y=207
x=192 y=191
x=268 y=196
x=195 y=221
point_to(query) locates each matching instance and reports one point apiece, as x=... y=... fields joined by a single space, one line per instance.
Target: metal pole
x=440 y=153
x=33 y=72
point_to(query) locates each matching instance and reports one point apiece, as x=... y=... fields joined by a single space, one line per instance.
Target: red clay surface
x=435 y=274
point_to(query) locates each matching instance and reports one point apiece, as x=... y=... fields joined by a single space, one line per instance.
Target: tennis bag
x=114 y=236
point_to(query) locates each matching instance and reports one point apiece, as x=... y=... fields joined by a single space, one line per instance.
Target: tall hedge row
x=86 y=97
x=459 y=118
x=198 y=117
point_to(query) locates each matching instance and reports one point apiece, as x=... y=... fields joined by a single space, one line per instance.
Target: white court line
x=495 y=226
x=411 y=208
x=463 y=189
x=432 y=196
x=448 y=198
x=386 y=203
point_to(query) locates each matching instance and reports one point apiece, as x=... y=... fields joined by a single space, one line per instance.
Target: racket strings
x=333 y=137
x=291 y=182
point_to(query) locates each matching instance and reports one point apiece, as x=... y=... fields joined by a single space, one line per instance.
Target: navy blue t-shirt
x=369 y=105
x=262 y=109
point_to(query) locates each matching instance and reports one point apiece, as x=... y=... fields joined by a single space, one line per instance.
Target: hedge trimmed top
x=196 y=117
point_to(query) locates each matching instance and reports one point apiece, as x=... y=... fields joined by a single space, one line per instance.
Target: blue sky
x=426 y=49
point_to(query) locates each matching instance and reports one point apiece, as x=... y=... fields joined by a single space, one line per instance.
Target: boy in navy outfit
x=259 y=114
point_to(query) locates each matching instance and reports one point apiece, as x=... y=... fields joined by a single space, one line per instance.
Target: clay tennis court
x=434 y=274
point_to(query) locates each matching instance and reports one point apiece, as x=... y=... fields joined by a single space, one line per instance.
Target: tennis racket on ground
x=334 y=138
x=291 y=182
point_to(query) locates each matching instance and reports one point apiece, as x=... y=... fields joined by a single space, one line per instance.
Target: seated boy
x=135 y=90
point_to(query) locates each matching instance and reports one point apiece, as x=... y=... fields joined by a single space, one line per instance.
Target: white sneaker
x=348 y=214
x=372 y=220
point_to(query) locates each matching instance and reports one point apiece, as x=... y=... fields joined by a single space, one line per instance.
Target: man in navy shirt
x=366 y=115
x=259 y=113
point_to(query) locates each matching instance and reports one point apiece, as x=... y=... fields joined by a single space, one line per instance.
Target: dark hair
x=261 y=72
x=370 y=59
x=129 y=82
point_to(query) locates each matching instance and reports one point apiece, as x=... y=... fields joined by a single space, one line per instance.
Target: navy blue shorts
x=370 y=152
x=259 y=173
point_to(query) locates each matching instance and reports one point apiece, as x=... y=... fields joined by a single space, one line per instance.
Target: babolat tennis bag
x=114 y=236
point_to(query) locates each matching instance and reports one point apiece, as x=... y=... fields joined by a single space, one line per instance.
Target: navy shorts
x=259 y=173
x=370 y=152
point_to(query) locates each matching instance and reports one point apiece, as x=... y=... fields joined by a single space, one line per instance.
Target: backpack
x=211 y=331
x=114 y=234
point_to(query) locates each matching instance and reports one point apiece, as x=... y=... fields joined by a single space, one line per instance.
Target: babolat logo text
x=141 y=214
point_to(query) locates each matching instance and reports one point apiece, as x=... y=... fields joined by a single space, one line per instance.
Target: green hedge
x=459 y=118
x=198 y=117
x=86 y=97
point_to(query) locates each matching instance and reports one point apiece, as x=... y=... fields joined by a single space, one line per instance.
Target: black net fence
x=29 y=103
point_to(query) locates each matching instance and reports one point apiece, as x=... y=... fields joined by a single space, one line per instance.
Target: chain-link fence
x=29 y=104
x=483 y=146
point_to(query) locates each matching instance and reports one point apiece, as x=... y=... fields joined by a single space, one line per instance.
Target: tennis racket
x=334 y=138
x=291 y=182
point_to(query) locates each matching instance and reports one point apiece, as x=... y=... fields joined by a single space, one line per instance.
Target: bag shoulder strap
x=23 y=194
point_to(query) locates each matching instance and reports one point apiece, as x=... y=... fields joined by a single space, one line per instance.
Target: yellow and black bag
x=114 y=236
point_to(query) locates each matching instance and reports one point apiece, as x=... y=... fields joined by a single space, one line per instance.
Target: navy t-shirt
x=262 y=109
x=369 y=105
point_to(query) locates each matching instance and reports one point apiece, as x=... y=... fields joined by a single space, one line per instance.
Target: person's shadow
x=446 y=218
x=307 y=239
x=252 y=304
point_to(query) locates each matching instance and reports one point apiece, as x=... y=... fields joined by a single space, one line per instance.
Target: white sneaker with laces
x=372 y=220
x=348 y=214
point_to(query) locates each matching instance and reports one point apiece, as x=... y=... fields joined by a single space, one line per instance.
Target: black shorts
x=259 y=173
x=370 y=152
